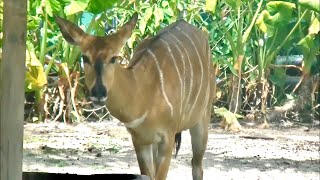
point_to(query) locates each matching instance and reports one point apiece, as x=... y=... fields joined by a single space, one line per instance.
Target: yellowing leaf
x=158 y=16
x=211 y=5
x=144 y=21
x=315 y=26
x=31 y=59
x=142 y=26
x=35 y=78
x=229 y=121
x=226 y=114
x=65 y=69
x=76 y=6
x=148 y=13
x=132 y=40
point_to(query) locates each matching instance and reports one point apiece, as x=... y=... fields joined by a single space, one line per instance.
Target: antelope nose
x=98 y=94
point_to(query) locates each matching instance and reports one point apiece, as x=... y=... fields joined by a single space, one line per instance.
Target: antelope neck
x=121 y=95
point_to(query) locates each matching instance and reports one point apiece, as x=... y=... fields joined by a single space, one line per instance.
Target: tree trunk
x=12 y=79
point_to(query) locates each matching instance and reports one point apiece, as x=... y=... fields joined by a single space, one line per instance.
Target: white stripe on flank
x=201 y=69
x=206 y=101
x=177 y=69
x=161 y=80
x=136 y=122
x=191 y=69
x=184 y=66
x=197 y=38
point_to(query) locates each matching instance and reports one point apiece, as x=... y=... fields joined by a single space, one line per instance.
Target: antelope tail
x=177 y=142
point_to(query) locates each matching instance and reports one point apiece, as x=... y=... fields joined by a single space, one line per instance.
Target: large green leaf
x=278 y=14
x=99 y=6
x=306 y=42
x=311 y=4
x=310 y=47
x=76 y=6
x=52 y=6
x=310 y=44
x=284 y=9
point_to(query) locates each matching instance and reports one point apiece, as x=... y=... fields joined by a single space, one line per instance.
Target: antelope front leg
x=145 y=159
x=155 y=155
x=165 y=147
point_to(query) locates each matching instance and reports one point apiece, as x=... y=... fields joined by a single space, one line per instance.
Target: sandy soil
x=105 y=147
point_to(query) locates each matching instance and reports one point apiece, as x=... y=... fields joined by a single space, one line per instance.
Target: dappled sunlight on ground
x=105 y=147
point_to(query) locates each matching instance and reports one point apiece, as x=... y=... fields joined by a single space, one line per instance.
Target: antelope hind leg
x=199 y=138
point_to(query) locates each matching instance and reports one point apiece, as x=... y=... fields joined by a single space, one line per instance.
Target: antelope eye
x=113 y=59
x=85 y=59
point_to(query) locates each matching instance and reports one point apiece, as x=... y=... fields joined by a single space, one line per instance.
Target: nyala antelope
x=167 y=87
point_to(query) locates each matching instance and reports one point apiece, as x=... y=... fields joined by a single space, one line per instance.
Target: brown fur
x=139 y=90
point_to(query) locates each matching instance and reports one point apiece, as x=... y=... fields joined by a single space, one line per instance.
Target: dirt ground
x=105 y=147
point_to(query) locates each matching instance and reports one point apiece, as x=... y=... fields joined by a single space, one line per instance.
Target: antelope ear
x=125 y=31
x=71 y=32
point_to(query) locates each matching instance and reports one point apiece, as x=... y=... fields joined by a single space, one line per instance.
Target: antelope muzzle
x=98 y=93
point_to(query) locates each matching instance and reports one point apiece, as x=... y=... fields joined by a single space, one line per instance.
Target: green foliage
x=256 y=30
x=155 y=16
x=234 y=4
x=276 y=22
x=99 y=6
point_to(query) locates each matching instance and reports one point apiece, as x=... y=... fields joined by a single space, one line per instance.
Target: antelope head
x=99 y=55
